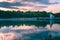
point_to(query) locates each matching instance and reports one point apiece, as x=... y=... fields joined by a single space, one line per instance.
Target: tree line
x=20 y=14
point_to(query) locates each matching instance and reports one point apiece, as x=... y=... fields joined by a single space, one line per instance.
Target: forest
x=20 y=14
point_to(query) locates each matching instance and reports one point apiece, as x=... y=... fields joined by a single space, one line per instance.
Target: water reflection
x=22 y=32
x=51 y=22
x=54 y=31
x=29 y=30
x=13 y=23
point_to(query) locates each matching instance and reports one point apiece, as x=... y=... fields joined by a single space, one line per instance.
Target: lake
x=30 y=30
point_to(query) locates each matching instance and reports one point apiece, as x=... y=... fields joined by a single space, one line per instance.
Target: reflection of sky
x=11 y=33
x=28 y=32
x=55 y=29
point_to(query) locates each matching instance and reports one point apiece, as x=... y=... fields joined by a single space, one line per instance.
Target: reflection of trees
x=13 y=23
x=52 y=38
x=57 y=22
x=18 y=23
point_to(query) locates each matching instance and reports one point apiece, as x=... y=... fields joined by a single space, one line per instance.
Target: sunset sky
x=31 y=5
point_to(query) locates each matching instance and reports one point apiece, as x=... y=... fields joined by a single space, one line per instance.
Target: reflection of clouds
x=48 y=27
x=24 y=32
x=7 y=36
x=18 y=32
x=55 y=27
x=54 y=30
x=23 y=28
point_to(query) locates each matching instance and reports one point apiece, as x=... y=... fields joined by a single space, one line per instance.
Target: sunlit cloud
x=53 y=8
x=8 y=9
x=7 y=0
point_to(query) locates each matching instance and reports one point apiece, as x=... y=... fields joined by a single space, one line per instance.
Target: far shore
x=29 y=19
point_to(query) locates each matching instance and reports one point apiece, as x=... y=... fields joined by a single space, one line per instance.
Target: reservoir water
x=30 y=30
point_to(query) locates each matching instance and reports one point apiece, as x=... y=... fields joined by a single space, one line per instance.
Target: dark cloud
x=47 y=2
x=41 y=1
x=9 y=5
x=41 y=6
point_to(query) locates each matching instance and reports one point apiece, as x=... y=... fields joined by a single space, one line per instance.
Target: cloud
x=35 y=5
x=23 y=5
x=7 y=0
x=6 y=9
x=41 y=1
x=55 y=1
x=29 y=4
x=53 y=8
x=9 y=5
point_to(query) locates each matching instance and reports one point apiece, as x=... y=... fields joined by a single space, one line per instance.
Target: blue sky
x=31 y=5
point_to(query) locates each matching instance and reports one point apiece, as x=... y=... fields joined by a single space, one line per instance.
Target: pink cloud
x=9 y=0
x=53 y=8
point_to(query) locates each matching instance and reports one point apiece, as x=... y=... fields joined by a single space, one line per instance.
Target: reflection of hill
x=13 y=23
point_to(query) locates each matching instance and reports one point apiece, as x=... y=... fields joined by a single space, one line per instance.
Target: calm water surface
x=30 y=30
